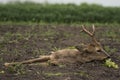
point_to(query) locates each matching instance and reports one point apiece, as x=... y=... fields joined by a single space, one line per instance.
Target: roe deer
x=81 y=54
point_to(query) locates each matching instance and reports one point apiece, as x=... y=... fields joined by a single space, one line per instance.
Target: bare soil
x=22 y=42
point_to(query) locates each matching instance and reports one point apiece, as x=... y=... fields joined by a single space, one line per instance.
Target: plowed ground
x=22 y=42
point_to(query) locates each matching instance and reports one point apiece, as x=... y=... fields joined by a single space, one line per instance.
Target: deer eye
x=98 y=50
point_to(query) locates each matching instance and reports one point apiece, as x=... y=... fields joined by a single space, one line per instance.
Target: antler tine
x=88 y=32
x=93 y=27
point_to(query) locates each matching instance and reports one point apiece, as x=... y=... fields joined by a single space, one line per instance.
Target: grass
x=1 y=59
x=53 y=74
x=81 y=73
x=110 y=50
x=13 y=37
x=71 y=47
x=56 y=49
x=17 y=69
x=66 y=24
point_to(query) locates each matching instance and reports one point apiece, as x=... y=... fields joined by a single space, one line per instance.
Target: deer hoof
x=6 y=64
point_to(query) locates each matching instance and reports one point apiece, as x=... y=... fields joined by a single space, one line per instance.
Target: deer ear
x=86 y=50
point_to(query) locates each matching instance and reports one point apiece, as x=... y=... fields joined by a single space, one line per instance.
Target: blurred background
x=101 y=2
x=60 y=11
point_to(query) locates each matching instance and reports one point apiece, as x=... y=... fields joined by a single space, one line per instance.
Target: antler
x=92 y=34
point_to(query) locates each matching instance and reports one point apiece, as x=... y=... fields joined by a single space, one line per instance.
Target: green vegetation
x=62 y=74
x=109 y=63
x=58 y=13
x=18 y=69
x=54 y=74
x=55 y=49
x=109 y=50
x=71 y=47
x=2 y=72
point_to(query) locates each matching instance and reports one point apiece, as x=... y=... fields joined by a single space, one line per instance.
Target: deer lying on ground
x=81 y=54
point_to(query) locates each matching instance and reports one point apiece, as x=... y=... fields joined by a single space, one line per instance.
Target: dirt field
x=18 y=42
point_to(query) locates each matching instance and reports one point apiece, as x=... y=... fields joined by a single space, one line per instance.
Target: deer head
x=93 y=50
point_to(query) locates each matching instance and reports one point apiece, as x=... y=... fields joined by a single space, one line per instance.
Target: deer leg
x=41 y=59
